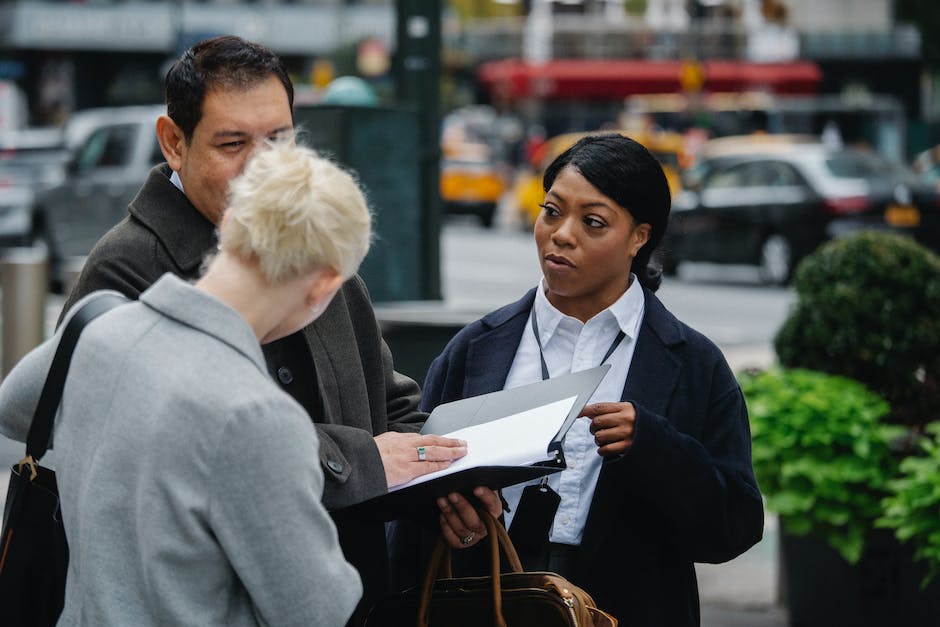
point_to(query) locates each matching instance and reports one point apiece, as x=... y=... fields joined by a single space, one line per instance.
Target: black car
x=772 y=205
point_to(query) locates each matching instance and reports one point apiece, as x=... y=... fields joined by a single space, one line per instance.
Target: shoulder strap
x=40 y=431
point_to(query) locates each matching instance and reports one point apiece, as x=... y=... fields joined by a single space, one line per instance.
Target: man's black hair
x=224 y=62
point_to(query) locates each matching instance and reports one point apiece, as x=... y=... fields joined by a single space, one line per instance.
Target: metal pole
x=418 y=74
x=23 y=280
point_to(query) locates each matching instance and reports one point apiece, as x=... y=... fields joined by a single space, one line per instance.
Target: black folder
x=415 y=500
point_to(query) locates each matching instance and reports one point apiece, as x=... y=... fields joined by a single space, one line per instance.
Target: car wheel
x=776 y=260
x=488 y=215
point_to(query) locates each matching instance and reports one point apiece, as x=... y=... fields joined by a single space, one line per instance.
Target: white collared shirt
x=568 y=345
x=176 y=180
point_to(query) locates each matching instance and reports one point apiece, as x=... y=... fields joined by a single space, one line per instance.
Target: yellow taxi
x=527 y=191
x=472 y=181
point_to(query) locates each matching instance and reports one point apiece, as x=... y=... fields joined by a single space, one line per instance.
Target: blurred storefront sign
x=602 y=79
x=156 y=27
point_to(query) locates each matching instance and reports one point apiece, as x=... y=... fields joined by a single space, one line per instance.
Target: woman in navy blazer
x=675 y=484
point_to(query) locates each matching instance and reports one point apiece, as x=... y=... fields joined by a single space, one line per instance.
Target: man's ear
x=172 y=142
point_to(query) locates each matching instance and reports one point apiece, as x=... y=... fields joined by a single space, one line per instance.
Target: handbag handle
x=40 y=430
x=498 y=539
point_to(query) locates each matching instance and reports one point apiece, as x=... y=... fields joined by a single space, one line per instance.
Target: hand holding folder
x=513 y=436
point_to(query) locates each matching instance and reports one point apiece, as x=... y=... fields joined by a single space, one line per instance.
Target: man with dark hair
x=225 y=98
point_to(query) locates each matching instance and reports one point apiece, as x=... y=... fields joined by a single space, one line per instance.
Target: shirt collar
x=176 y=180
x=627 y=311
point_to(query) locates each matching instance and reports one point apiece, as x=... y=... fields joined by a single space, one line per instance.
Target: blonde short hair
x=296 y=212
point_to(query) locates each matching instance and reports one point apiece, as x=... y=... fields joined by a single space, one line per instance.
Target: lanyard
x=538 y=341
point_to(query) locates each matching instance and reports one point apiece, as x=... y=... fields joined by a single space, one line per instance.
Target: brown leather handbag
x=513 y=599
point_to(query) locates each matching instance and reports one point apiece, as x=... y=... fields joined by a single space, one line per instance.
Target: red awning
x=598 y=79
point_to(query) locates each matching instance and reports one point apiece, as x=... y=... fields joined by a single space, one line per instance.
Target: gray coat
x=189 y=494
x=341 y=369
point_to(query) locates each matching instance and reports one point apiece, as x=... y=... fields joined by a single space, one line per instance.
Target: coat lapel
x=654 y=372
x=490 y=355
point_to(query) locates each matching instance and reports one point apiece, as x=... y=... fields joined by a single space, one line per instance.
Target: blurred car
x=472 y=180
x=471 y=184
x=771 y=201
x=927 y=167
x=102 y=176
x=527 y=190
x=30 y=160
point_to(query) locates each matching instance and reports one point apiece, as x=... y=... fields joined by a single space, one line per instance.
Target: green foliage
x=913 y=508
x=868 y=308
x=821 y=453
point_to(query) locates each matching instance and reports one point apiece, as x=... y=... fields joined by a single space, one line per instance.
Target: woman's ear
x=172 y=142
x=641 y=235
x=323 y=285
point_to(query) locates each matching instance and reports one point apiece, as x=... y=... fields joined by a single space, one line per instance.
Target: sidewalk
x=743 y=592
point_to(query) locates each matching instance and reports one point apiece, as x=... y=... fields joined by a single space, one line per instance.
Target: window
x=107 y=147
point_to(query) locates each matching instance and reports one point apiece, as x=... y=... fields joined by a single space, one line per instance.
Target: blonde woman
x=189 y=491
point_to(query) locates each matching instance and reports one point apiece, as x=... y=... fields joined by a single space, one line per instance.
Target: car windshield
x=27 y=166
x=859 y=165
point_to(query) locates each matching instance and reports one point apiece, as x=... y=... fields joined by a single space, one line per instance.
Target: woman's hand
x=409 y=455
x=461 y=526
x=613 y=425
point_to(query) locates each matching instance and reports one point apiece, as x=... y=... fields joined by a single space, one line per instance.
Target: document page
x=516 y=440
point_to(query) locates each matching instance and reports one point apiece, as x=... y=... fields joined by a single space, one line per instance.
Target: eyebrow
x=589 y=205
x=240 y=134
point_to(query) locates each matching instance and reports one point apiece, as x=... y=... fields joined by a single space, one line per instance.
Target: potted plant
x=912 y=509
x=821 y=453
x=830 y=454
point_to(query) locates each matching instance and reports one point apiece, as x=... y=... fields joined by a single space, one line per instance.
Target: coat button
x=284 y=375
x=335 y=466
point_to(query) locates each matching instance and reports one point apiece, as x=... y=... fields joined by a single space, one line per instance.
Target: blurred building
x=586 y=54
x=67 y=55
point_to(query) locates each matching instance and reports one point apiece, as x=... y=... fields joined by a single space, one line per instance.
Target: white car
x=103 y=175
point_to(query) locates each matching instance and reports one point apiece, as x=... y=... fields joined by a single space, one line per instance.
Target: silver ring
x=422 y=454
x=466 y=540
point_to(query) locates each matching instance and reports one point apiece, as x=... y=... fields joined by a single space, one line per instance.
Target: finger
x=614 y=434
x=436 y=453
x=616 y=448
x=438 y=440
x=465 y=512
x=418 y=469
x=456 y=539
x=450 y=521
x=457 y=536
x=490 y=500
x=609 y=421
x=597 y=409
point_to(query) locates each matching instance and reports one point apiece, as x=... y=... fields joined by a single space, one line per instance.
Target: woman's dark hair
x=226 y=62
x=626 y=172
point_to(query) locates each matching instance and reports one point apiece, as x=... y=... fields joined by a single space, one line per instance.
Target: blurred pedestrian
x=189 y=491
x=225 y=97
x=659 y=469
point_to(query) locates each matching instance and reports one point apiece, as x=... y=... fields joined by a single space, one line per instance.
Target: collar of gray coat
x=165 y=210
x=189 y=305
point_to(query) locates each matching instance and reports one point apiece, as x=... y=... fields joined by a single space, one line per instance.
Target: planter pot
x=822 y=589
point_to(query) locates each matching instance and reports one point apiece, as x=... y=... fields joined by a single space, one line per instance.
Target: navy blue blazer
x=684 y=492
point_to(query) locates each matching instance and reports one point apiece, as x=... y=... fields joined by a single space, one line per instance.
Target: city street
x=485 y=268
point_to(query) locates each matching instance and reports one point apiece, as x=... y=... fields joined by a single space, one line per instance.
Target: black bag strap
x=40 y=430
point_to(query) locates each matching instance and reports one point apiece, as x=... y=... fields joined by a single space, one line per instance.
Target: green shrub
x=913 y=509
x=821 y=453
x=868 y=308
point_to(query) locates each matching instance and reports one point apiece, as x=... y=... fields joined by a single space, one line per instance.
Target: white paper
x=516 y=440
